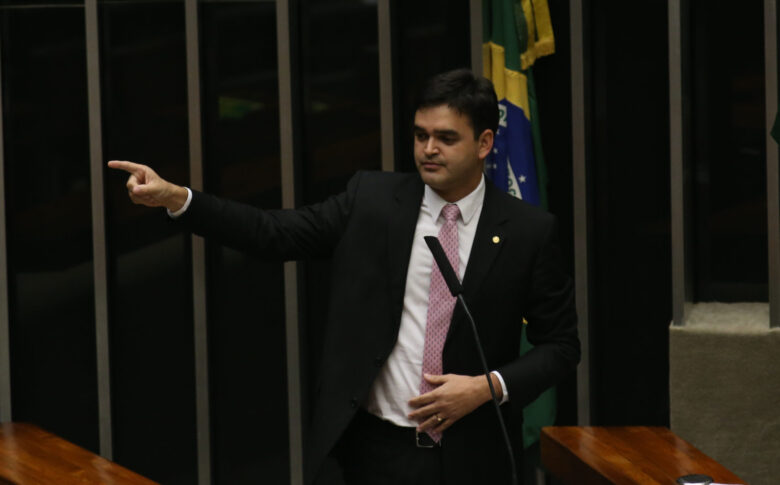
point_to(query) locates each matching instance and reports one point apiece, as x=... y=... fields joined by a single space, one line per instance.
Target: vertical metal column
x=475 y=11
x=384 y=40
x=772 y=169
x=5 y=343
x=680 y=277
x=295 y=416
x=579 y=175
x=200 y=324
x=98 y=228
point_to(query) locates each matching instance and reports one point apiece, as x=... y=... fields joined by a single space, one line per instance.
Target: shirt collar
x=468 y=205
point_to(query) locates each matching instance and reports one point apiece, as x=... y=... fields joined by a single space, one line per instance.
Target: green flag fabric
x=515 y=34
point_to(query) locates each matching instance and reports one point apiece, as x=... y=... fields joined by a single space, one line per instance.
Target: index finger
x=422 y=399
x=128 y=167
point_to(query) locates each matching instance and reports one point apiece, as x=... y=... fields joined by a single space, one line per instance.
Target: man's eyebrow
x=446 y=133
x=451 y=133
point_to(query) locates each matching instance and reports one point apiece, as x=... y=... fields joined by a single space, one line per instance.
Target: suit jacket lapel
x=405 y=209
x=400 y=232
x=488 y=241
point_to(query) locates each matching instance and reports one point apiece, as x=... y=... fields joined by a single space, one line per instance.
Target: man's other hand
x=454 y=397
x=147 y=188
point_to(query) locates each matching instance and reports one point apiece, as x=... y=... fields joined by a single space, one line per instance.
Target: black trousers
x=376 y=452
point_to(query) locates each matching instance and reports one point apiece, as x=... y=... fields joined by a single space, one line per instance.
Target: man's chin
x=433 y=180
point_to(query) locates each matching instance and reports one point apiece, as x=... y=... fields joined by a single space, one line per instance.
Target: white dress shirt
x=184 y=207
x=399 y=379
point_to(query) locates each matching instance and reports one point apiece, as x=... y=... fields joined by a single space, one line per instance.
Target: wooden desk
x=30 y=455
x=624 y=456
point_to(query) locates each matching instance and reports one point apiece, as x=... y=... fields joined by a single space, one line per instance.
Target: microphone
x=456 y=288
x=453 y=283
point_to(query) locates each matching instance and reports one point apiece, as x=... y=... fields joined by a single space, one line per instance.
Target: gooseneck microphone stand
x=456 y=289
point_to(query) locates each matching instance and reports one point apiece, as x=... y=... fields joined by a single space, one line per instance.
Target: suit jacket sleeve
x=551 y=327
x=286 y=234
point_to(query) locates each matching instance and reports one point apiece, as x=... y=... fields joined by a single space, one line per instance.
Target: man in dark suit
x=401 y=397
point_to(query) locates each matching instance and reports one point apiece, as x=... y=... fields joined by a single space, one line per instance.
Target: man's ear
x=485 y=143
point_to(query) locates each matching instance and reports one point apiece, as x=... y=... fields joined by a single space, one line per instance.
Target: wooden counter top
x=624 y=456
x=30 y=455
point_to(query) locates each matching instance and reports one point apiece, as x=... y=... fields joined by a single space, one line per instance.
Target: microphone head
x=453 y=283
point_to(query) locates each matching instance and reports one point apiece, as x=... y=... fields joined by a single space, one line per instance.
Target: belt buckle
x=424 y=440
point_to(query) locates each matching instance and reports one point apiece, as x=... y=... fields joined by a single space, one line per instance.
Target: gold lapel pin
x=496 y=239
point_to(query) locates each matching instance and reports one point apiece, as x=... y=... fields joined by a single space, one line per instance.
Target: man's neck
x=458 y=193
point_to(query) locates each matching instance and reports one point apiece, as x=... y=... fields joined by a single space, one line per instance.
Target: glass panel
x=552 y=80
x=729 y=153
x=340 y=135
x=247 y=356
x=43 y=3
x=145 y=120
x=52 y=307
x=433 y=37
x=628 y=163
x=340 y=81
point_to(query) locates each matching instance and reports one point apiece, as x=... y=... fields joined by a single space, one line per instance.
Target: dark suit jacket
x=367 y=231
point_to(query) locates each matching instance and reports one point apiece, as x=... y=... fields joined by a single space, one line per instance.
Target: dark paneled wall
x=246 y=317
x=630 y=268
x=339 y=133
x=336 y=112
x=428 y=38
x=49 y=226
x=728 y=153
x=143 y=69
x=552 y=76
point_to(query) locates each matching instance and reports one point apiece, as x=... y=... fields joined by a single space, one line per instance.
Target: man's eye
x=421 y=136
x=448 y=140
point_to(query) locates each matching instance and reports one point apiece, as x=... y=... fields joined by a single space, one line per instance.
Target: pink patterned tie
x=440 y=303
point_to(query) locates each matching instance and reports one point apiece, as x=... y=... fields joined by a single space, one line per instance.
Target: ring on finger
x=439 y=418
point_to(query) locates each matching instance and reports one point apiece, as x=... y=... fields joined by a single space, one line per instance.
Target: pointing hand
x=147 y=188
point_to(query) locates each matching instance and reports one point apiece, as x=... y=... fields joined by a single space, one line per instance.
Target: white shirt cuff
x=505 y=392
x=174 y=215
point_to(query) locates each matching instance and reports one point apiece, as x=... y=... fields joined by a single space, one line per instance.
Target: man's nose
x=430 y=147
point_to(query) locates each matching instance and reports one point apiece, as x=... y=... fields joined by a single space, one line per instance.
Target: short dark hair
x=469 y=95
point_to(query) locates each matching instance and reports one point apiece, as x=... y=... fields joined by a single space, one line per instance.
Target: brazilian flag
x=515 y=34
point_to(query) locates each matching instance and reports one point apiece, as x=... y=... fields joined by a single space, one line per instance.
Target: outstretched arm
x=308 y=232
x=147 y=188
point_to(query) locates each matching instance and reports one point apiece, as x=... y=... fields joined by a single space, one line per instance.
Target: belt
x=404 y=435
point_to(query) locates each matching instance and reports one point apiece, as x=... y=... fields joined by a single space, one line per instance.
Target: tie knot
x=450 y=212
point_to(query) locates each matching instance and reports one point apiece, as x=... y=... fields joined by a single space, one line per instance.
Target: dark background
x=336 y=93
